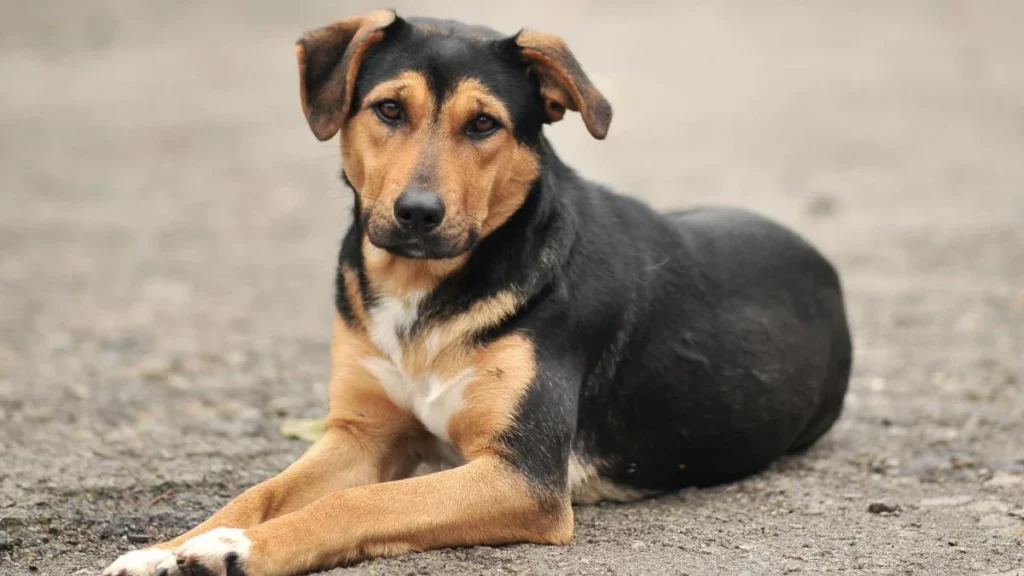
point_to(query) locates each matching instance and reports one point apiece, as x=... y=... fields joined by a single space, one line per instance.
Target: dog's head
x=440 y=122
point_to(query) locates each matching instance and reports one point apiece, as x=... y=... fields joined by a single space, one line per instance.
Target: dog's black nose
x=419 y=210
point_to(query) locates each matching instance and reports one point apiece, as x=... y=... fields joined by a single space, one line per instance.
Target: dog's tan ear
x=329 y=59
x=563 y=84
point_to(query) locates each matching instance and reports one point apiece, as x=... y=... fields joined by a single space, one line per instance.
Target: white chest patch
x=391 y=317
x=432 y=399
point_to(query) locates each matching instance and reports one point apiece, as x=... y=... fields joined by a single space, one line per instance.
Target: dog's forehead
x=430 y=43
x=445 y=52
x=453 y=28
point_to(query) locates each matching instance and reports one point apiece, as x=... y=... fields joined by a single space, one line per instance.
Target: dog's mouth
x=420 y=247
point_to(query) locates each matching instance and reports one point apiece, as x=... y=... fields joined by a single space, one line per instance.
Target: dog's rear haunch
x=548 y=340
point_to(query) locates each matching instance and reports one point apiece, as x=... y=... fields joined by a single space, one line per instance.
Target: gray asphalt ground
x=168 y=228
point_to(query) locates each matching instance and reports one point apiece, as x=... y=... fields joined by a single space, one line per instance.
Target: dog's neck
x=522 y=254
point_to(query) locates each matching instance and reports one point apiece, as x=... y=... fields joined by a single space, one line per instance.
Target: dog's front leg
x=368 y=440
x=483 y=502
x=342 y=458
x=514 y=430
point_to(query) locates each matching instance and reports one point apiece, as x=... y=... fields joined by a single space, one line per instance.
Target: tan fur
x=482 y=502
x=493 y=176
x=326 y=105
x=368 y=439
x=355 y=399
x=563 y=82
x=399 y=276
x=482 y=183
x=505 y=369
x=444 y=347
x=378 y=160
x=350 y=278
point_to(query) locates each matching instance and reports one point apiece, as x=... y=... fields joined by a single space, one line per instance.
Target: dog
x=548 y=340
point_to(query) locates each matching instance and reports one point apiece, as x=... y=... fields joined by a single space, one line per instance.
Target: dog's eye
x=482 y=125
x=389 y=111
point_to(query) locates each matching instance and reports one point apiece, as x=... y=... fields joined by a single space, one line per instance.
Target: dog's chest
x=407 y=369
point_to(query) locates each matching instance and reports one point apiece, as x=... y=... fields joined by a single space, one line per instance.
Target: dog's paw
x=219 y=552
x=145 y=562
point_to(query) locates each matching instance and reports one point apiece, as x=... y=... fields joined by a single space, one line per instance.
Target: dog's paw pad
x=219 y=552
x=145 y=562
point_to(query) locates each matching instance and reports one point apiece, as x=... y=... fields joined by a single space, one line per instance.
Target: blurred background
x=169 y=227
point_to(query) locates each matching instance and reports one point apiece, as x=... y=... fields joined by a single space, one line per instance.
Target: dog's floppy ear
x=329 y=59
x=563 y=84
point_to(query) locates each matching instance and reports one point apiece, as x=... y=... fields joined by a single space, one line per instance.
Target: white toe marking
x=143 y=562
x=171 y=564
x=210 y=550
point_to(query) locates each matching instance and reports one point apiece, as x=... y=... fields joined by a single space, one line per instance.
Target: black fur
x=673 y=349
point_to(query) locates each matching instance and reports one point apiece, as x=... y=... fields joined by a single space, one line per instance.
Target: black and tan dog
x=551 y=340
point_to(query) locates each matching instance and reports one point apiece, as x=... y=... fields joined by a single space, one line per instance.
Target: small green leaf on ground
x=308 y=429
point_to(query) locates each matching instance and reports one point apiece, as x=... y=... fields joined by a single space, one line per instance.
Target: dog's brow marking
x=398 y=87
x=470 y=97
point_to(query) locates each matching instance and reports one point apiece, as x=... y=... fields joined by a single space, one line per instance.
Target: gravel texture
x=168 y=228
